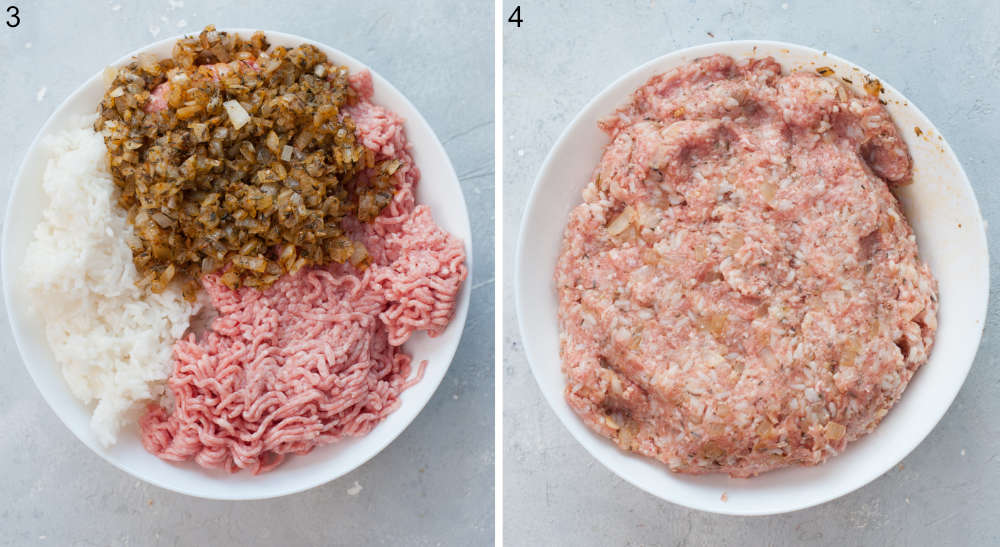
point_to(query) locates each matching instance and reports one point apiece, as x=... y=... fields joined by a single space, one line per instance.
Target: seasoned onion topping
x=232 y=155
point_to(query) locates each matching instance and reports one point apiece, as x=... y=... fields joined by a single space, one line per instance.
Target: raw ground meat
x=740 y=290
x=316 y=357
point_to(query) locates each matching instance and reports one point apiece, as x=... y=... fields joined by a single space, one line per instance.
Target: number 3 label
x=15 y=18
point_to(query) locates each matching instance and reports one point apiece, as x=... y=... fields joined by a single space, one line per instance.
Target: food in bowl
x=740 y=290
x=263 y=187
x=112 y=339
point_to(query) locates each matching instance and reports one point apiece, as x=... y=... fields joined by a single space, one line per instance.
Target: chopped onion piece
x=163 y=220
x=621 y=222
x=648 y=216
x=286 y=153
x=148 y=62
x=237 y=114
x=109 y=75
x=767 y=190
x=835 y=431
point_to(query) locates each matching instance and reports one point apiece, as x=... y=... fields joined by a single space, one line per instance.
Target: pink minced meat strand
x=316 y=357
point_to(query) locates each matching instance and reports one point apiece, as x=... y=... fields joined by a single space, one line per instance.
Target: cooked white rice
x=112 y=339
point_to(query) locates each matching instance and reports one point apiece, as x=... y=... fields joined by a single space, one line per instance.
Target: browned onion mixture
x=248 y=161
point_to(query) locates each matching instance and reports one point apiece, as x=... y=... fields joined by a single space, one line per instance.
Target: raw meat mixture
x=315 y=357
x=740 y=290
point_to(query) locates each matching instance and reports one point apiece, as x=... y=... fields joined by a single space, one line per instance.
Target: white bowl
x=945 y=216
x=438 y=188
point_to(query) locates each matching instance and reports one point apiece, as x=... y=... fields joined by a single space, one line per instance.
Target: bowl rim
x=459 y=317
x=535 y=359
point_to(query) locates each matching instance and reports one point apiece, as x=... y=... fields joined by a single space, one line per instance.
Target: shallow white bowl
x=943 y=211
x=438 y=188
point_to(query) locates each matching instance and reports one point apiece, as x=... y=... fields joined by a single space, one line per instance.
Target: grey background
x=434 y=484
x=945 y=57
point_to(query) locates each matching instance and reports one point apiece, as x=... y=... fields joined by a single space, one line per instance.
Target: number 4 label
x=515 y=17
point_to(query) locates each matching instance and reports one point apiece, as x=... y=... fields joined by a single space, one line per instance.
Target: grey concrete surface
x=434 y=484
x=945 y=57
